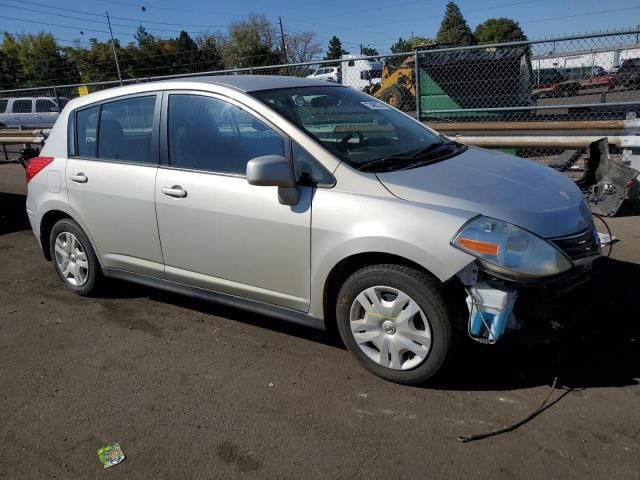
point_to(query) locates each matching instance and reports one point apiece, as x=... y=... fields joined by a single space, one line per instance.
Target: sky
x=373 y=23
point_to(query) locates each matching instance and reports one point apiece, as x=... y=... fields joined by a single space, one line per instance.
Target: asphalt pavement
x=194 y=390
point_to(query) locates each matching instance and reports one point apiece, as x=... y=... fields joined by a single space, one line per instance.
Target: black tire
x=94 y=275
x=394 y=96
x=428 y=292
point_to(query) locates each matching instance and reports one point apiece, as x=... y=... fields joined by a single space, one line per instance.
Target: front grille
x=578 y=246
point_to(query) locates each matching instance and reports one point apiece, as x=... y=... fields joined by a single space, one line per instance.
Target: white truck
x=359 y=72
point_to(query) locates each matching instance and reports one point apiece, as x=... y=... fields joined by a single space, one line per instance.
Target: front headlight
x=509 y=250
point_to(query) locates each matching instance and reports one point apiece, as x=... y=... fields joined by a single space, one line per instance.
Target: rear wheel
x=394 y=96
x=396 y=322
x=73 y=257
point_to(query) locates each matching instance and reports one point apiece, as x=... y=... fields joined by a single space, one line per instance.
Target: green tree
x=11 y=64
x=185 y=57
x=34 y=59
x=251 y=43
x=454 y=29
x=498 y=30
x=369 y=52
x=210 y=53
x=409 y=45
x=335 y=50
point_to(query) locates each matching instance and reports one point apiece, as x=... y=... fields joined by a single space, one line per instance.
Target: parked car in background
x=628 y=74
x=30 y=112
x=567 y=82
x=330 y=74
x=206 y=187
x=551 y=82
x=590 y=77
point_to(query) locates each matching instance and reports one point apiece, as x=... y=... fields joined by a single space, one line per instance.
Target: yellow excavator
x=398 y=86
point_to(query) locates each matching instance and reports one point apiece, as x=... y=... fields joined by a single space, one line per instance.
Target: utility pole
x=113 y=46
x=284 y=45
x=360 y=49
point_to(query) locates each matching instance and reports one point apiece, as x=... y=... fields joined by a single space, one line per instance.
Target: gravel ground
x=193 y=390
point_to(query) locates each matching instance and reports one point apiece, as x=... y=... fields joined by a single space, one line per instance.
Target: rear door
x=22 y=112
x=217 y=231
x=111 y=180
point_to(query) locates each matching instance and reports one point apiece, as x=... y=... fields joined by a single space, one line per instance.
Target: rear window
x=119 y=130
x=22 y=106
x=125 y=130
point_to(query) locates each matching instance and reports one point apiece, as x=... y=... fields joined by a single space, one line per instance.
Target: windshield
x=355 y=127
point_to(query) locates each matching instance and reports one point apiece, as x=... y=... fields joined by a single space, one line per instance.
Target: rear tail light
x=36 y=164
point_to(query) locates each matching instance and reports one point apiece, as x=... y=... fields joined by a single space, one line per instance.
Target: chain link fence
x=589 y=77
x=581 y=78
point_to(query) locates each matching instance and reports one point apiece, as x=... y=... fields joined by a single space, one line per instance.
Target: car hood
x=492 y=183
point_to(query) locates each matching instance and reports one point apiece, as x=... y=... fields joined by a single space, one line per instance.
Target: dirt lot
x=192 y=390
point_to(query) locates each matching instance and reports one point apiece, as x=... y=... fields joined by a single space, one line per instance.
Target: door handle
x=79 y=178
x=176 y=191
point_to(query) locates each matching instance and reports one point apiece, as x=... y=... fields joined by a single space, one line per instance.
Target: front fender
x=346 y=224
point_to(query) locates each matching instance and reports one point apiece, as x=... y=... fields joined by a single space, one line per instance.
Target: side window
x=3 y=105
x=210 y=134
x=22 y=106
x=44 y=105
x=307 y=169
x=87 y=131
x=126 y=128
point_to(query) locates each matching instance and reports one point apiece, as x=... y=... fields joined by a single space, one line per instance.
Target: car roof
x=253 y=83
x=242 y=84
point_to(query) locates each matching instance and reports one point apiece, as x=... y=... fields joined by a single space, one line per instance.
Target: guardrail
x=624 y=134
x=17 y=137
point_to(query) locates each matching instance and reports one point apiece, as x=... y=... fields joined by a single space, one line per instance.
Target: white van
x=359 y=72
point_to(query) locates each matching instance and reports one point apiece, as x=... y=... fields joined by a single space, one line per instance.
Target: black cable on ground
x=543 y=406
x=606 y=225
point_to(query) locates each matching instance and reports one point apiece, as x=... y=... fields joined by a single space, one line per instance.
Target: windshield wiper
x=387 y=161
x=407 y=161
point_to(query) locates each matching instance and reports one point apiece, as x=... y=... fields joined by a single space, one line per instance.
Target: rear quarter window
x=3 y=105
x=45 y=106
x=87 y=131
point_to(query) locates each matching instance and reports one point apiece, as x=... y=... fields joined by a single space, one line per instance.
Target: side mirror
x=274 y=171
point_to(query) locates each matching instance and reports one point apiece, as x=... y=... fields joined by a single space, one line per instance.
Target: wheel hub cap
x=390 y=328
x=71 y=259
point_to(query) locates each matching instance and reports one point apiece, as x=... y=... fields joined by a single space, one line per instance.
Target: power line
x=59 y=26
x=579 y=15
x=100 y=22
x=171 y=9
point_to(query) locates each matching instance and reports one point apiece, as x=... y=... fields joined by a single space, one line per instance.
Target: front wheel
x=73 y=257
x=396 y=322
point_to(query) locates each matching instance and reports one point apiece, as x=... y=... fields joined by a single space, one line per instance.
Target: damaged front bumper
x=533 y=311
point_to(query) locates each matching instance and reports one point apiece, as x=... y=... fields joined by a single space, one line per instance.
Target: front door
x=110 y=178
x=217 y=231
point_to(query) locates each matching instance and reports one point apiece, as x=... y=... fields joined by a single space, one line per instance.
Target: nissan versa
x=310 y=202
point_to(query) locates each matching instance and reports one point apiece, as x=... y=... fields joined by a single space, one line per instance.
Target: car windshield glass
x=355 y=127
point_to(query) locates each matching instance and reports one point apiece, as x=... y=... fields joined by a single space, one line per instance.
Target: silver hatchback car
x=310 y=202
